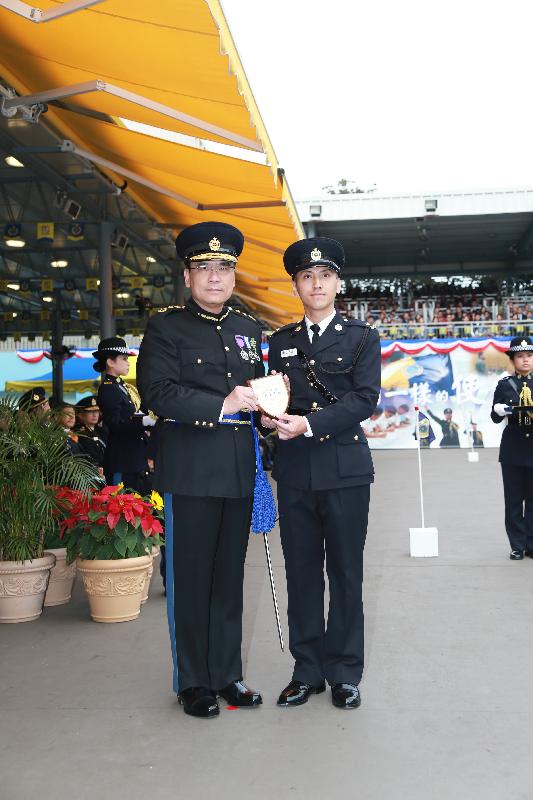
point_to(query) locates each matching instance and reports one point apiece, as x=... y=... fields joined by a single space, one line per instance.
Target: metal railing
x=454 y=330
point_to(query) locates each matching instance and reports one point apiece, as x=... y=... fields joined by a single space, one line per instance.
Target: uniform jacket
x=91 y=444
x=337 y=455
x=517 y=440
x=125 y=451
x=189 y=361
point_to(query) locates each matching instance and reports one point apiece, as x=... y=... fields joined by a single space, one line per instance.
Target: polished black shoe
x=199 y=702
x=298 y=693
x=516 y=555
x=238 y=694
x=528 y=553
x=345 y=695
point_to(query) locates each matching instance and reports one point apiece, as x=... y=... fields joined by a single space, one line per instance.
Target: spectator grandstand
x=442 y=307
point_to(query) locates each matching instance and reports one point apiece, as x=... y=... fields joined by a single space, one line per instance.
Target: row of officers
x=109 y=428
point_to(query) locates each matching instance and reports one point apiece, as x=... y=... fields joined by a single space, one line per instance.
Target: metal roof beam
x=34 y=14
x=11 y=105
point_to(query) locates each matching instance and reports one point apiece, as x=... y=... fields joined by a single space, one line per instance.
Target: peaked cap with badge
x=32 y=398
x=315 y=252
x=520 y=344
x=89 y=403
x=208 y=241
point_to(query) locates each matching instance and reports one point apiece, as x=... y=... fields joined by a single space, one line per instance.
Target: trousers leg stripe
x=169 y=548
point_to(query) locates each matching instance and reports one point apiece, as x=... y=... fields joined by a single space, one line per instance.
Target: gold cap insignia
x=36 y=397
x=523 y=343
x=316 y=255
x=214 y=244
x=93 y=401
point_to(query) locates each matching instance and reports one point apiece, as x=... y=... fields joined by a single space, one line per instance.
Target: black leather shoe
x=528 y=553
x=199 y=702
x=298 y=693
x=345 y=695
x=238 y=694
x=516 y=555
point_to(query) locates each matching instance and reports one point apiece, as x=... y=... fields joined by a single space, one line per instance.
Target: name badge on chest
x=287 y=353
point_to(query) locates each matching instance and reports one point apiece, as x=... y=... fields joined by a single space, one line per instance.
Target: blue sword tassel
x=264 y=508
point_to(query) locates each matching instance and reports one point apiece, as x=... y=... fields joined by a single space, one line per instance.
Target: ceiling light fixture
x=123 y=295
x=11 y=161
x=59 y=264
x=14 y=286
x=15 y=242
x=151 y=259
x=47 y=298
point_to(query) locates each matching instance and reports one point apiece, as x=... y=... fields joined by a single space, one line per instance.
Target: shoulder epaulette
x=242 y=313
x=357 y=322
x=170 y=308
x=290 y=326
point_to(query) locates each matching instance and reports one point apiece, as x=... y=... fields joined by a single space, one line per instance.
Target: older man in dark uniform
x=193 y=366
x=516 y=448
x=324 y=470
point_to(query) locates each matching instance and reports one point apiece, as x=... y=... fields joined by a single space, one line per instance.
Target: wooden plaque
x=272 y=395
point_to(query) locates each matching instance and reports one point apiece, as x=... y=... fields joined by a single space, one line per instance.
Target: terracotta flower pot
x=22 y=588
x=115 y=587
x=155 y=553
x=61 y=579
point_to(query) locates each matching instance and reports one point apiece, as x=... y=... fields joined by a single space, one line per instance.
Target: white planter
x=61 y=579
x=22 y=588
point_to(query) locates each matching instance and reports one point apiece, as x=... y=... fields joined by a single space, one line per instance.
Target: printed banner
x=452 y=381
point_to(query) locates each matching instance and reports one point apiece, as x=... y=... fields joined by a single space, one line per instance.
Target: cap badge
x=338 y=327
x=93 y=401
x=214 y=244
x=316 y=255
x=523 y=343
x=35 y=397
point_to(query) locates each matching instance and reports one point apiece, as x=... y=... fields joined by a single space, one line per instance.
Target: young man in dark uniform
x=516 y=448
x=324 y=470
x=34 y=401
x=125 y=455
x=193 y=366
x=89 y=435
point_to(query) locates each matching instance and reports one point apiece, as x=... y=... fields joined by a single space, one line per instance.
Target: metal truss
x=37 y=15
x=11 y=105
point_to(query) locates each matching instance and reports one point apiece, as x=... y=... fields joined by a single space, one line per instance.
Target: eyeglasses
x=220 y=269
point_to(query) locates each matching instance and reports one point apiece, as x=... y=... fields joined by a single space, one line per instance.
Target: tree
x=345 y=186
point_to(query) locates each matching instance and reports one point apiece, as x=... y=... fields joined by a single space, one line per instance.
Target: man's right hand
x=268 y=422
x=241 y=398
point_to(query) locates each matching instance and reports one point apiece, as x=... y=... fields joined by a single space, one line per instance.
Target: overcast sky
x=406 y=95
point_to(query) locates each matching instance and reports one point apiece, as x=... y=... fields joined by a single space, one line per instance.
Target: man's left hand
x=290 y=426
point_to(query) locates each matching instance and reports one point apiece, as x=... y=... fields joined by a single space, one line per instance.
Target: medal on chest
x=248 y=348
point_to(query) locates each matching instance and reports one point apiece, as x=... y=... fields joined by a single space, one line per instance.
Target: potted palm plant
x=33 y=460
x=111 y=534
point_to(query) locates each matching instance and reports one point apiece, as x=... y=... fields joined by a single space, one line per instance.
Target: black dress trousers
x=333 y=523
x=518 y=495
x=210 y=542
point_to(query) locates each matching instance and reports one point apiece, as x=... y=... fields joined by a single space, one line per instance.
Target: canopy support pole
x=57 y=349
x=107 y=322
x=39 y=15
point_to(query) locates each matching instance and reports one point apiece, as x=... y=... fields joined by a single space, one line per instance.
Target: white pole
x=420 y=465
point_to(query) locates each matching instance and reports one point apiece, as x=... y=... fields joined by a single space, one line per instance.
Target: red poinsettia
x=112 y=523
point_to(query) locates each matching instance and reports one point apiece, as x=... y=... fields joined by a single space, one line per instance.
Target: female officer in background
x=125 y=454
x=516 y=448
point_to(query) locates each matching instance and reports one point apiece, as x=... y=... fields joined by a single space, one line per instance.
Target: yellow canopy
x=171 y=65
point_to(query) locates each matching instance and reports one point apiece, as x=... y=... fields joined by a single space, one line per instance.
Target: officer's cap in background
x=315 y=252
x=207 y=241
x=89 y=403
x=32 y=398
x=520 y=344
x=448 y=411
x=109 y=348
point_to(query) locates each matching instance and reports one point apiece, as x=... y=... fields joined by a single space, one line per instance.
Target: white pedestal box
x=473 y=457
x=424 y=542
